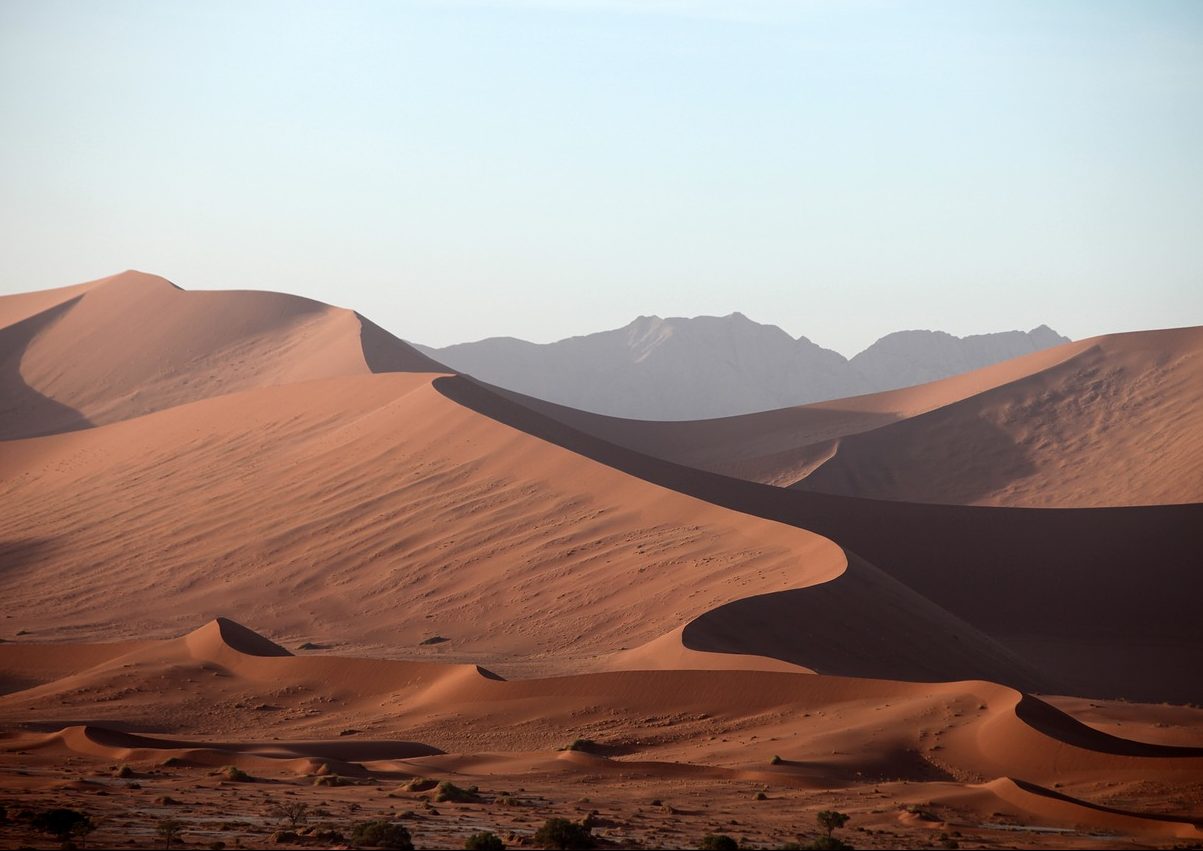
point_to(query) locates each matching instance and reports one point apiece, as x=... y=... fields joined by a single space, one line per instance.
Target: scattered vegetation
x=236 y=774
x=776 y=760
x=831 y=820
x=562 y=834
x=827 y=843
x=329 y=780
x=448 y=792
x=170 y=831
x=484 y=841
x=718 y=842
x=123 y=772
x=760 y=796
x=586 y=745
x=296 y=813
x=66 y=825
x=420 y=784
x=382 y=834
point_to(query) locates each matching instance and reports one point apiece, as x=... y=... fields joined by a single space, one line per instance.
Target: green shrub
x=831 y=820
x=382 y=834
x=420 y=784
x=448 y=792
x=236 y=774
x=718 y=842
x=562 y=834
x=485 y=841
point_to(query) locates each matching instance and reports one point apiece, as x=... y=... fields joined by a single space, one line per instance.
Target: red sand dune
x=1101 y=600
x=412 y=505
x=175 y=457
x=1109 y=421
x=374 y=510
x=134 y=343
x=829 y=730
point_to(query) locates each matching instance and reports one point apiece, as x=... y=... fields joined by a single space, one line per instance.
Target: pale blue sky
x=457 y=170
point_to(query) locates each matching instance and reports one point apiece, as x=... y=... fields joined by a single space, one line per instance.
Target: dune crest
x=133 y=343
x=220 y=636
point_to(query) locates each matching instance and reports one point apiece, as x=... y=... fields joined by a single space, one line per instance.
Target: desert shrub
x=448 y=792
x=295 y=813
x=760 y=796
x=827 y=843
x=420 y=784
x=831 y=820
x=776 y=760
x=718 y=842
x=382 y=834
x=169 y=830
x=329 y=780
x=580 y=745
x=124 y=772
x=484 y=841
x=63 y=823
x=562 y=834
x=236 y=774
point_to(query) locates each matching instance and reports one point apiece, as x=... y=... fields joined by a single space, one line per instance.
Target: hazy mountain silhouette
x=710 y=366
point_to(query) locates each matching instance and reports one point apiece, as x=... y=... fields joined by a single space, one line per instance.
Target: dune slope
x=1103 y=598
x=825 y=731
x=378 y=502
x=1120 y=423
x=134 y=343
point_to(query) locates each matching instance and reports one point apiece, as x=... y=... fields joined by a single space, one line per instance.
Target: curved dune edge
x=1045 y=807
x=770 y=447
x=132 y=344
x=668 y=652
x=987 y=730
x=1055 y=428
x=562 y=545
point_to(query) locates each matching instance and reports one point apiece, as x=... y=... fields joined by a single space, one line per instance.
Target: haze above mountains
x=707 y=366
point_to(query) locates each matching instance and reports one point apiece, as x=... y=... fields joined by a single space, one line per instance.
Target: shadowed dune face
x=781 y=446
x=829 y=732
x=133 y=344
x=1120 y=423
x=25 y=412
x=384 y=514
x=1110 y=421
x=1057 y=586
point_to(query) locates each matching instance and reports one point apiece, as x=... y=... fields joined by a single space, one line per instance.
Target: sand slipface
x=289 y=550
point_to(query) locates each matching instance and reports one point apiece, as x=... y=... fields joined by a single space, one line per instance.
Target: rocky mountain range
x=711 y=366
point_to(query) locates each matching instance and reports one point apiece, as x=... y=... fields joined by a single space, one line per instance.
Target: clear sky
x=456 y=170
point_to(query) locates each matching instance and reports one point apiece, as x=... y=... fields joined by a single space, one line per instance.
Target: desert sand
x=246 y=529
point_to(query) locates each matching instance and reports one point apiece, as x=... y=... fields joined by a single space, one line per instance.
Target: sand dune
x=174 y=458
x=781 y=446
x=1120 y=423
x=828 y=730
x=1108 y=421
x=377 y=501
x=134 y=343
x=1060 y=584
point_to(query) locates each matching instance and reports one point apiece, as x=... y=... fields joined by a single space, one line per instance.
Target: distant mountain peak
x=681 y=367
